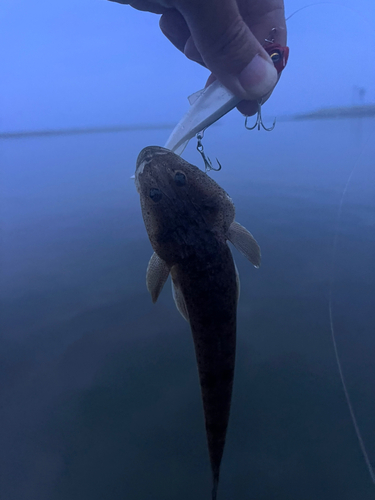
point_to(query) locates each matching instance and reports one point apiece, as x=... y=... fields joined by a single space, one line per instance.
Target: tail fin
x=215 y=486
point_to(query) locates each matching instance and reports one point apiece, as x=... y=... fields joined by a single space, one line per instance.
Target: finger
x=174 y=27
x=191 y=51
x=248 y=108
x=228 y=48
x=143 y=5
x=265 y=19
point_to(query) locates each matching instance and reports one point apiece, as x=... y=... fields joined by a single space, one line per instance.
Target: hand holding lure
x=213 y=102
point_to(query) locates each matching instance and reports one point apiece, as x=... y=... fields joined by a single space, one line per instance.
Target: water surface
x=99 y=388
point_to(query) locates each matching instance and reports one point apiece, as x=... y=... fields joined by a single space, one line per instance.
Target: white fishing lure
x=207 y=106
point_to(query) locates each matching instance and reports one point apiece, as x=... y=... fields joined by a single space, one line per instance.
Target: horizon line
x=84 y=130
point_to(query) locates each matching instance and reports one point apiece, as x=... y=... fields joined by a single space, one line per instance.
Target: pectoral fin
x=179 y=300
x=245 y=243
x=156 y=276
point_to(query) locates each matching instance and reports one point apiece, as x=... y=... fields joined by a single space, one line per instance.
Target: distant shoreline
x=84 y=130
x=364 y=111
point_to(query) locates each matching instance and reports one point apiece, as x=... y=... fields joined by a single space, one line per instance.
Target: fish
x=189 y=220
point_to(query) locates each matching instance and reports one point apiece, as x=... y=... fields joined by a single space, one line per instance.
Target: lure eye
x=155 y=195
x=275 y=56
x=180 y=179
x=279 y=56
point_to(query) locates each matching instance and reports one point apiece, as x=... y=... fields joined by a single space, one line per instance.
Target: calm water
x=99 y=388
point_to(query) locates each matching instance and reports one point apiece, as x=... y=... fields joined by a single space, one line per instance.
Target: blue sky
x=96 y=63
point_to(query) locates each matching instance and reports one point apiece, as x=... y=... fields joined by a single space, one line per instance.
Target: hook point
x=259 y=121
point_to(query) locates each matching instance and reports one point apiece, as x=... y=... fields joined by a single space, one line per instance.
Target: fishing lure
x=279 y=56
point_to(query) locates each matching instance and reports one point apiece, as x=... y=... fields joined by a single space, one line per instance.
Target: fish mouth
x=146 y=156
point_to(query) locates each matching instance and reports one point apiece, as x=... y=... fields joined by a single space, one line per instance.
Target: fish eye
x=180 y=179
x=155 y=195
x=275 y=56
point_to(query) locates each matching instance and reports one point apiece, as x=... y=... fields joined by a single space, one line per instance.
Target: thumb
x=228 y=48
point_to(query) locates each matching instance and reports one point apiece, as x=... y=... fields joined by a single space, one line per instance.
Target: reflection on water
x=100 y=395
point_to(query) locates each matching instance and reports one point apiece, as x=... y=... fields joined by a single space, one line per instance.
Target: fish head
x=182 y=207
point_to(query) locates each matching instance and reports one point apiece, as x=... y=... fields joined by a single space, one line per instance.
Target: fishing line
x=358 y=433
x=310 y=5
x=328 y=3
x=333 y=335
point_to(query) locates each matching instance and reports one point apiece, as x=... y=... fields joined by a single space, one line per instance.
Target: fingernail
x=258 y=78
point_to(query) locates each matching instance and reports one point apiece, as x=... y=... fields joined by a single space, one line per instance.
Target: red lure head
x=278 y=54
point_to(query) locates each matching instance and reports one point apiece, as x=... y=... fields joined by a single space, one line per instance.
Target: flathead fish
x=189 y=218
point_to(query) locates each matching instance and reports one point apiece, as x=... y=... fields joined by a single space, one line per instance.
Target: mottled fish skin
x=189 y=218
x=208 y=284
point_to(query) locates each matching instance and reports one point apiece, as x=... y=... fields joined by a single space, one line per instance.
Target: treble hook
x=259 y=122
x=207 y=162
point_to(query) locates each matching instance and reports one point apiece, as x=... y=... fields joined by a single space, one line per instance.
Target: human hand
x=226 y=36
